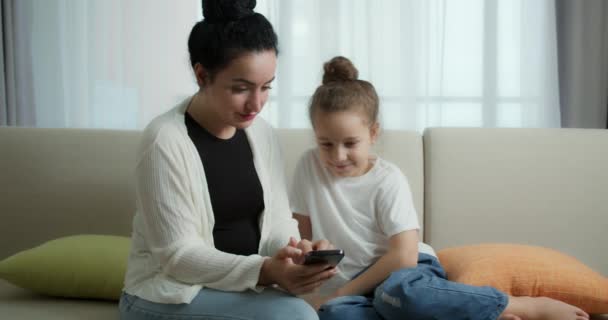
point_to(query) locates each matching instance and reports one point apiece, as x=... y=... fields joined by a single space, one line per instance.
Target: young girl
x=362 y=204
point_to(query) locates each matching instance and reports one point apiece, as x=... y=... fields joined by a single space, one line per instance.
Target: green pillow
x=81 y=266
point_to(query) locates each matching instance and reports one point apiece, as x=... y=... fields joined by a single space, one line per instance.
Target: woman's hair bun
x=339 y=69
x=216 y=11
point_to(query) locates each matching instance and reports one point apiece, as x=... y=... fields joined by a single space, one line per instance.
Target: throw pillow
x=523 y=270
x=81 y=266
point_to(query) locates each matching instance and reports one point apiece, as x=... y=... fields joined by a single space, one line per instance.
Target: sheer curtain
x=107 y=63
x=489 y=63
x=117 y=64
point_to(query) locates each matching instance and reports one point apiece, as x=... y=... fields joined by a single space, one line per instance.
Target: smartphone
x=331 y=257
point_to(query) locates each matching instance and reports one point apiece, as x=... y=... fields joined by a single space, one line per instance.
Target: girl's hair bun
x=339 y=69
x=217 y=11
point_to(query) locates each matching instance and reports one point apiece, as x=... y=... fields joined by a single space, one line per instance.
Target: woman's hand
x=295 y=278
x=307 y=246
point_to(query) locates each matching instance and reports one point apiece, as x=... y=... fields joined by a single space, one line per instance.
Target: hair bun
x=227 y=10
x=339 y=69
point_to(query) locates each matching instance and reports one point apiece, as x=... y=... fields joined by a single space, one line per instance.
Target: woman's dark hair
x=229 y=29
x=343 y=91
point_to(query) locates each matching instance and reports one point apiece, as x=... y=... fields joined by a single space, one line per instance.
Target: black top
x=235 y=189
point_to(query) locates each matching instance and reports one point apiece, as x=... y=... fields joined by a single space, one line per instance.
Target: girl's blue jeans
x=419 y=293
x=212 y=304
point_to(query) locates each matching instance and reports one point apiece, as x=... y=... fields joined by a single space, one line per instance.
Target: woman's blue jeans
x=212 y=304
x=419 y=293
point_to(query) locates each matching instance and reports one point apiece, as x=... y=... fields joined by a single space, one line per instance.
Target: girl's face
x=344 y=139
x=238 y=92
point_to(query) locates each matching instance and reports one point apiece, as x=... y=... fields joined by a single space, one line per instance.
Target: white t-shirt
x=356 y=214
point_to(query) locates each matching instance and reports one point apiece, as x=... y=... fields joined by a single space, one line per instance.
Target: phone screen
x=331 y=257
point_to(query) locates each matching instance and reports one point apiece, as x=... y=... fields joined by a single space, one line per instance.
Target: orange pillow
x=523 y=270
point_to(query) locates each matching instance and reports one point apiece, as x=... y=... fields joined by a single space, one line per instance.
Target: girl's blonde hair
x=343 y=91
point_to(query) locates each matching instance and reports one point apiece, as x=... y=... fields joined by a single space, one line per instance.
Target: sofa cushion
x=82 y=266
x=523 y=270
x=18 y=303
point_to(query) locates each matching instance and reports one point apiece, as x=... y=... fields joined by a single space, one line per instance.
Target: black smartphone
x=331 y=257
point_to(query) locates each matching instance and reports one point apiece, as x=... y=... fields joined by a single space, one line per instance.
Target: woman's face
x=237 y=93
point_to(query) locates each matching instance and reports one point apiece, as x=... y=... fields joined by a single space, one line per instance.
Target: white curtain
x=117 y=64
x=489 y=63
x=108 y=63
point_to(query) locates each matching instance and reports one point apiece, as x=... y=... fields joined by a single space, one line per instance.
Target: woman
x=213 y=225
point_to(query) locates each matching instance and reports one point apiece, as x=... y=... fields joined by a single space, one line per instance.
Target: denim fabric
x=349 y=307
x=418 y=293
x=212 y=304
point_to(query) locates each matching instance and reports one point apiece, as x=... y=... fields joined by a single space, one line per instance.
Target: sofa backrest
x=546 y=187
x=403 y=148
x=58 y=182
x=539 y=186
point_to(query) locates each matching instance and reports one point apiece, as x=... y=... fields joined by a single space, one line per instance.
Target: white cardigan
x=172 y=255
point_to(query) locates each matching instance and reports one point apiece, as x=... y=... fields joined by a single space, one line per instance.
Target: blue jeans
x=212 y=304
x=419 y=293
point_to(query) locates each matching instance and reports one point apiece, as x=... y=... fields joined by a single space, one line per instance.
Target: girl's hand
x=316 y=301
x=322 y=245
x=296 y=279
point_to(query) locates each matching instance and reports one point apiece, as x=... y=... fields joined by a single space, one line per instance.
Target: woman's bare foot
x=541 y=308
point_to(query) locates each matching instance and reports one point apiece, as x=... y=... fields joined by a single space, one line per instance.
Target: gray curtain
x=3 y=97
x=16 y=87
x=582 y=36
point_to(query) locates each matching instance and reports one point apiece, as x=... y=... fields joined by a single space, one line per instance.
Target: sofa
x=545 y=187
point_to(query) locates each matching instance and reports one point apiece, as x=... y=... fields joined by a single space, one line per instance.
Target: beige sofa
x=546 y=187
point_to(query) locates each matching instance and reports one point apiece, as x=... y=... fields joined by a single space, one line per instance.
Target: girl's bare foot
x=509 y=317
x=542 y=308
